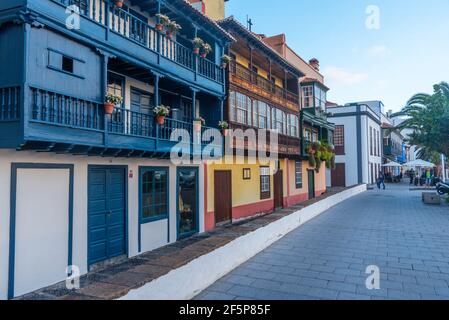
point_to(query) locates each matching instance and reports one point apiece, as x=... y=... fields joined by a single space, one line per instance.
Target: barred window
x=339 y=136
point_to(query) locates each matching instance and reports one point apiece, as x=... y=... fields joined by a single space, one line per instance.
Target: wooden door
x=278 y=185
x=223 y=196
x=339 y=175
x=311 y=183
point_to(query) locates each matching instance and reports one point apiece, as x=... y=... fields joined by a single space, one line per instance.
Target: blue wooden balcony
x=120 y=33
x=51 y=121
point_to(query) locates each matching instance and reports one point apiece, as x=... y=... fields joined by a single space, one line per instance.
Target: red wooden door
x=339 y=175
x=223 y=196
x=278 y=186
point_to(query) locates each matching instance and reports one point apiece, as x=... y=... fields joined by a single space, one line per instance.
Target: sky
x=384 y=50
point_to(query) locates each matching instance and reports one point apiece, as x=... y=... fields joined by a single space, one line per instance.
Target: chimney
x=315 y=63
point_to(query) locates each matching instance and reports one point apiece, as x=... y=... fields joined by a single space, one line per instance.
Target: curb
x=189 y=280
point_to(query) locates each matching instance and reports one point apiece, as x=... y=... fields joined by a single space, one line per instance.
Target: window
x=307 y=96
x=293 y=125
x=154 y=194
x=61 y=62
x=371 y=144
x=298 y=174
x=314 y=136
x=279 y=121
x=246 y=174
x=308 y=135
x=339 y=139
x=240 y=108
x=265 y=192
x=81 y=4
x=261 y=115
x=115 y=85
x=67 y=64
x=320 y=98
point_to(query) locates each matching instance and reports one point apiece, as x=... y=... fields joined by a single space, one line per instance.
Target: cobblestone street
x=327 y=258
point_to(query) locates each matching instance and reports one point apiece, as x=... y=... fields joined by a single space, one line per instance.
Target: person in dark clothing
x=381 y=181
x=412 y=177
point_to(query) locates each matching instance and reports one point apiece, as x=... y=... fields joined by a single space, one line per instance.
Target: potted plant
x=224 y=127
x=164 y=21
x=161 y=112
x=198 y=123
x=111 y=102
x=225 y=60
x=205 y=50
x=197 y=45
x=172 y=29
x=119 y=3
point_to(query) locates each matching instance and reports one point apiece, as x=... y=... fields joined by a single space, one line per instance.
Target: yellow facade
x=215 y=9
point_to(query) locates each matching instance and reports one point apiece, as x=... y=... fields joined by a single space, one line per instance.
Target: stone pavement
x=327 y=257
x=117 y=280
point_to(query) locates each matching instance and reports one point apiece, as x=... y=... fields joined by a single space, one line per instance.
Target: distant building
x=358 y=142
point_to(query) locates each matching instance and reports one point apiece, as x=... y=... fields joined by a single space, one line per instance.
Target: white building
x=358 y=142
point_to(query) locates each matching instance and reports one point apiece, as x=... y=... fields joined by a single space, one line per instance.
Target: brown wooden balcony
x=253 y=82
x=288 y=146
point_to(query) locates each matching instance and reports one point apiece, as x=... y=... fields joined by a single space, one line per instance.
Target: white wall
x=153 y=235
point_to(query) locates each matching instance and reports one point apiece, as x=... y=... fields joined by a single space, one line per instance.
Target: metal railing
x=10 y=104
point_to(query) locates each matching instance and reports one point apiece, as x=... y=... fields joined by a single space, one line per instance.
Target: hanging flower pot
x=205 y=50
x=161 y=112
x=169 y=35
x=160 y=120
x=172 y=29
x=225 y=60
x=109 y=108
x=110 y=102
x=163 y=21
x=119 y=3
x=224 y=127
x=159 y=27
x=197 y=45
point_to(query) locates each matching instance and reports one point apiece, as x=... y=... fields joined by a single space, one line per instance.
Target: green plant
x=206 y=49
x=197 y=43
x=312 y=161
x=225 y=59
x=163 y=19
x=112 y=99
x=223 y=125
x=173 y=28
x=161 y=111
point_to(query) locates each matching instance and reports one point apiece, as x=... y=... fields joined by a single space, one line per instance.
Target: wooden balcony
x=253 y=82
x=287 y=146
x=50 y=121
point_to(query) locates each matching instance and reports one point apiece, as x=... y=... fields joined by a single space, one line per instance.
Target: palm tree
x=427 y=115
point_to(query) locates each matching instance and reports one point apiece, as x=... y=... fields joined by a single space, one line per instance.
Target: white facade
x=41 y=228
x=362 y=155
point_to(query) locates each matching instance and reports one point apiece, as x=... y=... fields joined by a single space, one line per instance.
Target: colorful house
x=81 y=185
x=263 y=93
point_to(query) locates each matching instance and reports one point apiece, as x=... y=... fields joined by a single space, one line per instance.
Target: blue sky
x=406 y=55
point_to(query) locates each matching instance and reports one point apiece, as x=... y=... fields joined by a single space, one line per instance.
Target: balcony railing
x=9 y=104
x=250 y=76
x=139 y=31
x=51 y=108
x=60 y=109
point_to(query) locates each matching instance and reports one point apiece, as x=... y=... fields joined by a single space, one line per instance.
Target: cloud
x=342 y=76
x=379 y=51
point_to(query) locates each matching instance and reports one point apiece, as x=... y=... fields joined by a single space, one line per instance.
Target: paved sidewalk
x=117 y=280
x=327 y=258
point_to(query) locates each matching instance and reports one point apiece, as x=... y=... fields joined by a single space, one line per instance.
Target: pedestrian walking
x=381 y=180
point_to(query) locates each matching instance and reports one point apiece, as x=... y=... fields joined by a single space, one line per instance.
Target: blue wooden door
x=106 y=213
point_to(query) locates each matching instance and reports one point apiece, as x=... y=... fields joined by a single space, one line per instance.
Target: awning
x=419 y=164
